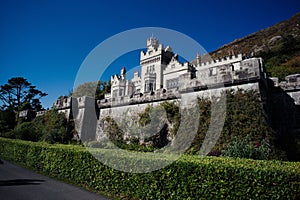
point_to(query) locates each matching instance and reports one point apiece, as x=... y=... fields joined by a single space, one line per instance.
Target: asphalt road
x=17 y=183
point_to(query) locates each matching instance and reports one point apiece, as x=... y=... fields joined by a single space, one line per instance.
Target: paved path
x=17 y=183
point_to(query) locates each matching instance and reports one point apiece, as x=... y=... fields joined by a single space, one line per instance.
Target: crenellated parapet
x=291 y=83
x=84 y=101
x=221 y=61
x=63 y=103
x=27 y=114
x=41 y=113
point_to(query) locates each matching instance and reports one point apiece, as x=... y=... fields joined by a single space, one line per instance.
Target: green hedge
x=190 y=177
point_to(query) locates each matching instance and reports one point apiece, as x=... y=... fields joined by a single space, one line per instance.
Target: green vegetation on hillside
x=278 y=45
x=283 y=58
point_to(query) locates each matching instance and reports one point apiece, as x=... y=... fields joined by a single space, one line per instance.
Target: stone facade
x=63 y=105
x=163 y=75
x=291 y=86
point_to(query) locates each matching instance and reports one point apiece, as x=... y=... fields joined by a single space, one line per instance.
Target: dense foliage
x=242 y=148
x=17 y=95
x=190 y=177
x=7 y=120
x=155 y=126
x=52 y=127
x=245 y=117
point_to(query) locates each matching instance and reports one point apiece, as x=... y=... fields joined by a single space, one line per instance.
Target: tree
x=95 y=89
x=18 y=94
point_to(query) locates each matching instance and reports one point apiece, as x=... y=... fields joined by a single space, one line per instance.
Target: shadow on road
x=15 y=182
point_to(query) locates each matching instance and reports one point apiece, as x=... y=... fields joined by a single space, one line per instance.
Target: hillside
x=278 y=45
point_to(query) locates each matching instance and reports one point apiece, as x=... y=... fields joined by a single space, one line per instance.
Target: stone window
x=149 y=86
x=212 y=71
x=120 y=92
x=150 y=69
x=115 y=93
x=172 y=83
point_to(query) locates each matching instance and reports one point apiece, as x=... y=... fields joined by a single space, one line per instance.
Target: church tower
x=153 y=62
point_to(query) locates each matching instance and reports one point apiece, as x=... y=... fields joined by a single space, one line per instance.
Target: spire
x=123 y=73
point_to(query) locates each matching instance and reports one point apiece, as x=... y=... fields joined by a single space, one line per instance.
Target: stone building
x=162 y=70
x=153 y=62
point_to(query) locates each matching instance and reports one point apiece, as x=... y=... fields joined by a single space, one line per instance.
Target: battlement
x=291 y=83
x=27 y=114
x=116 y=78
x=84 y=101
x=221 y=61
x=154 y=49
x=41 y=113
x=139 y=98
x=63 y=103
x=152 y=42
x=151 y=52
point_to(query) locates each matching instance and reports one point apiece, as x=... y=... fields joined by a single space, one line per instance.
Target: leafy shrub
x=7 y=121
x=26 y=131
x=52 y=127
x=245 y=115
x=114 y=133
x=242 y=148
x=190 y=177
x=152 y=120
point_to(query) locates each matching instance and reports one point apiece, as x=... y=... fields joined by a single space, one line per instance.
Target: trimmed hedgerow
x=190 y=177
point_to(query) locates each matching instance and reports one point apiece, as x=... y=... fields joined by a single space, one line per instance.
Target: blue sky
x=47 y=41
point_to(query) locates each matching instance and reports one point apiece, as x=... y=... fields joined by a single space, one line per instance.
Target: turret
x=123 y=73
x=152 y=43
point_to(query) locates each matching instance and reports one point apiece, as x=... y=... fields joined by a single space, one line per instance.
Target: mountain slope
x=278 y=45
